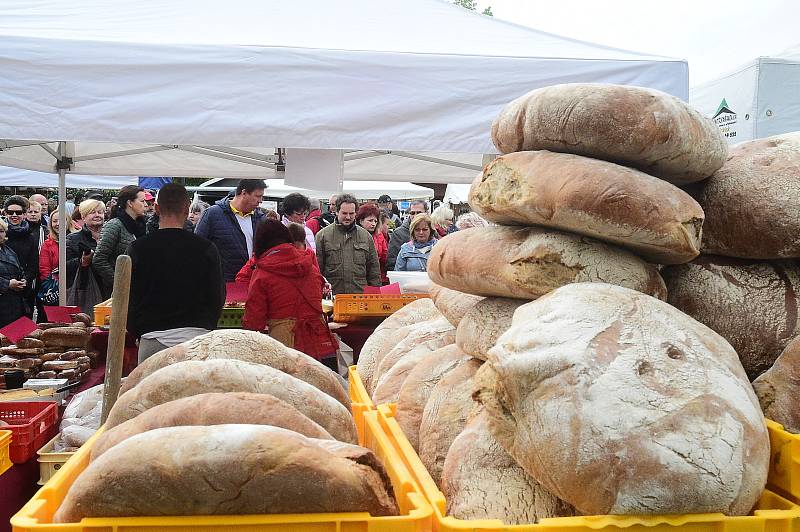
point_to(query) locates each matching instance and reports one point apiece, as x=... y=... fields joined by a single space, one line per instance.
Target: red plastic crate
x=32 y=424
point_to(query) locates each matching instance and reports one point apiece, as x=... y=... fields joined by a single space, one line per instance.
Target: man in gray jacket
x=346 y=252
x=402 y=234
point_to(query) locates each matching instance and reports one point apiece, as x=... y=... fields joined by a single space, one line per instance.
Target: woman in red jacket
x=48 y=254
x=368 y=217
x=286 y=295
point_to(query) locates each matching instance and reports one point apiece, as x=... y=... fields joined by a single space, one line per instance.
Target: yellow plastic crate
x=360 y=400
x=51 y=461
x=416 y=513
x=5 y=451
x=102 y=313
x=348 y=308
x=773 y=513
x=784 y=466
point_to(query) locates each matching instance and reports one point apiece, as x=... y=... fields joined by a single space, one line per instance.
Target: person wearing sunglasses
x=25 y=245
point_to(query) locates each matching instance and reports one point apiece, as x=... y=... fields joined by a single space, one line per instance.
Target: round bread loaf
x=206 y=409
x=451 y=303
x=228 y=470
x=603 y=200
x=752 y=304
x=652 y=410
x=527 y=262
x=752 y=203
x=418 y=385
x=635 y=126
x=481 y=481
x=184 y=379
x=445 y=416
x=778 y=388
x=421 y=337
x=65 y=336
x=247 y=346
x=379 y=342
x=485 y=323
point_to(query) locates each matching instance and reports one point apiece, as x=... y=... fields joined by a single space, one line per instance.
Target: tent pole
x=340 y=177
x=62 y=226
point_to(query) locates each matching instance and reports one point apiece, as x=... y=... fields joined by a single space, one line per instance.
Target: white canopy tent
x=14 y=177
x=176 y=88
x=758 y=100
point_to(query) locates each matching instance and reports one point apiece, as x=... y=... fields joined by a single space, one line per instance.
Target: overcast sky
x=714 y=36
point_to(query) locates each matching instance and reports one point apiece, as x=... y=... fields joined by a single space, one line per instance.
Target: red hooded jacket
x=286 y=284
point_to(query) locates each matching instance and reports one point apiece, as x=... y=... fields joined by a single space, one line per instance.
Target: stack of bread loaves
x=53 y=350
x=746 y=285
x=594 y=398
x=231 y=422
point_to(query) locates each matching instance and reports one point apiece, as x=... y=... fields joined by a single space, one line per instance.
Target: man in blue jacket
x=231 y=223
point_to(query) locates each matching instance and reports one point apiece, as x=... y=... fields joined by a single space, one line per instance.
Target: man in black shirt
x=177 y=288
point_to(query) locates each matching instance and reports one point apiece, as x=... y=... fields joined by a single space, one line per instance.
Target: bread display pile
x=230 y=422
x=745 y=286
x=53 y=351
x=571 y=387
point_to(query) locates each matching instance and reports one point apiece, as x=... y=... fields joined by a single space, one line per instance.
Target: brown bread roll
x=651 y=410
x=193 y=377
x=59 y=365
x=418 y=385
x=227 y=470
x=379 y=342
x=451 y=303
x=213 y=409
x=481 y=481
x=752 y=304
x=527 y=262
x=26 y=343
x=778 y=388
x=46 y=375
x=50 y=356
x=602 y=200
x=425 y=336
x=247 y=346
x=72 y=354
x=445 y=416
x=28 y=363
x=485 y=323
x=635 y=126
x=65 y=336
x=752 y=203
x=20 y=352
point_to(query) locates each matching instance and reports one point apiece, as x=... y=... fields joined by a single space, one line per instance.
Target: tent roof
x=14 y=177
x=360 y=189
x=416 y=75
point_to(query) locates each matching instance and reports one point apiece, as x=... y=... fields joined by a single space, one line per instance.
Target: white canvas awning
x=14 y=177
x=362 y=190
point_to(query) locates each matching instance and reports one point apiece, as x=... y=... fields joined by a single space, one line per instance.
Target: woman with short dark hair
x=286 y=295
x=368 y=216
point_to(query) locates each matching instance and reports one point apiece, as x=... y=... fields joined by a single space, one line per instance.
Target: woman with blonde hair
x=81 y=244
x=442 y=218
x=413 y=256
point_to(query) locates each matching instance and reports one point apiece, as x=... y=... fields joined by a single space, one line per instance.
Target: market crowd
x=184 y=252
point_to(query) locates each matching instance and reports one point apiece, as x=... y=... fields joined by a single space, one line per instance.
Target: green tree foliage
x=472 y=5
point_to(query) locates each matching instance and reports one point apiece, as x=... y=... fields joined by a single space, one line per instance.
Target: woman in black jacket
x=81 y=245
x=25 y=244
x=12 y=282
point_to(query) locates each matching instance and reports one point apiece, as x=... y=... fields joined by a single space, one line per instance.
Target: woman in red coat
x=48 y=254
x=286 y=295
x=368 y=217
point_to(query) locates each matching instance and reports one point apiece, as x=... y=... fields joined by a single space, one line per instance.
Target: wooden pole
x=116 y=336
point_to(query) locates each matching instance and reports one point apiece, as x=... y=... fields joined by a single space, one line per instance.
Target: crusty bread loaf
x=635 y=126
x=481 y=481
x=238 y=408
x=618 y=403
x=485 y=323
x=752 y=304
x=603 y=200
x=527 y=262
x=248 y=346
x=451 y=303
x=65 y=336
x=752 y=203
x=445 y=416
x=418 y=385
x=778 y=388
x=227 y=470
x=388 y=388
x=194 y=377
x=425 y=336
x=379 y=342
x=29 y=343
